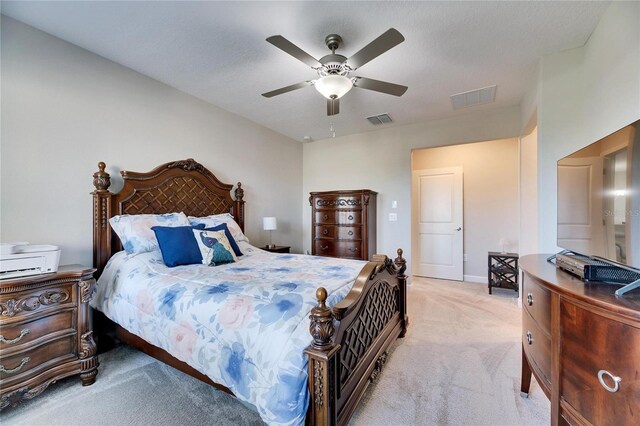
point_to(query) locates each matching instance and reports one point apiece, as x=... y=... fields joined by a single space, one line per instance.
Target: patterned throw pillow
x=218 y=219
x=135 y=231
x=214 y=247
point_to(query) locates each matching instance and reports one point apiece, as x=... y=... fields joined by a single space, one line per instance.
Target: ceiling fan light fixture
x=333 y=86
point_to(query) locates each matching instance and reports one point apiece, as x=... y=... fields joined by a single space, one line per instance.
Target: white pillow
x=217 y=219
x=135 y=230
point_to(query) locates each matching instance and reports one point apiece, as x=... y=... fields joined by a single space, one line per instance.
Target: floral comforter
x=245 y=324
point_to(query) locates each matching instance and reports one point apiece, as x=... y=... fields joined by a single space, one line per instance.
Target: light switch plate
x=393 y=217
x=394 y=204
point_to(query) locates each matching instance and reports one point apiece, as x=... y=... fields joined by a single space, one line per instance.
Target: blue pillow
x=178 y=245
x=232 y=242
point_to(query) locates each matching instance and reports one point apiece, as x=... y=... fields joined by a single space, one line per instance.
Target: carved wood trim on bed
x=350 y=341
x=178 y=186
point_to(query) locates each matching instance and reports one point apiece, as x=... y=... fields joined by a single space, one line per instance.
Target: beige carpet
x=458 y=365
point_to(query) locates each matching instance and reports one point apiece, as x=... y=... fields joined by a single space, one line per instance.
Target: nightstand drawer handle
x=529 y=338
x=530 y=299
x=324 y=247
x=353 y=249
x=616 y=381
x=18 y=368
x=17 y=339
x=325 y=231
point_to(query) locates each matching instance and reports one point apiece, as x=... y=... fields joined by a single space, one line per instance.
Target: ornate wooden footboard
x=350 y=341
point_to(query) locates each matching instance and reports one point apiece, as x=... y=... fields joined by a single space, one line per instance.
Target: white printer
x=23 y=259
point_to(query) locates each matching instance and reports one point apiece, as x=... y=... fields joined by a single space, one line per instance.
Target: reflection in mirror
x=599 y=198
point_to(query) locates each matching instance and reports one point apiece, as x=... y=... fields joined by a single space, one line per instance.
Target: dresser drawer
x=537 y=346
x=537 y=301
x=595 y=345
x=344 y=249
x=349 y=217
x=16 y=335
x=338 y=202
x=24 y=364
x=23 y=305
x=339 y=232
x=328 y=217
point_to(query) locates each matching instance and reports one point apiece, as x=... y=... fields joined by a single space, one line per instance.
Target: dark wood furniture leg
x=525 y=378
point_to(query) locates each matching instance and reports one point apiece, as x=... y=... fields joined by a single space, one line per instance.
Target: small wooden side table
x=277 y=249
x=503 y=270
x=46 y=332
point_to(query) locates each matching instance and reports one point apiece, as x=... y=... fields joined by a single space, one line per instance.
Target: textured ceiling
x=217 y=51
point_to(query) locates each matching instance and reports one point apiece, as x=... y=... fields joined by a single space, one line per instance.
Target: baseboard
x=476 y=279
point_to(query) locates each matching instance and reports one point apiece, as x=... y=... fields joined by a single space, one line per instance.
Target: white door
x=438 y=220
x=580 y=221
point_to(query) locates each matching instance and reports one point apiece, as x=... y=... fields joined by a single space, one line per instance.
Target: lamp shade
x=269 y=223
x=333 y=85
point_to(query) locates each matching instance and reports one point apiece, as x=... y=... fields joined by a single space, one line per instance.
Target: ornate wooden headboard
x=178 y=186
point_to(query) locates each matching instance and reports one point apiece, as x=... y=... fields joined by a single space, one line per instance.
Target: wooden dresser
x=343 y=223
x=582 y=343
x=45 y=332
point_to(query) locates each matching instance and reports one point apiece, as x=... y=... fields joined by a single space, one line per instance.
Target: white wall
x=586 y=94
x=381 y=161
x=64 y=109
x=490 y=176
x=529 y=193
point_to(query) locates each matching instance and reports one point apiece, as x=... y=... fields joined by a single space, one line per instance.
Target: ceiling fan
x=334 y=70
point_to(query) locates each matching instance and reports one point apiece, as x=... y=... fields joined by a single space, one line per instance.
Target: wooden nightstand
x=277 y=249
x=45 y=332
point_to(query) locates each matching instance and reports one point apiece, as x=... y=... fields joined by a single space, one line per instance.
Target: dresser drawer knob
x=325 y=217
x=325 y=231
x=350 y=232
x=615 y=379
x=23 y=333
x=350 y=217
x=529 y=338
x=324 y=247
x=530 y=299
x=18 y=368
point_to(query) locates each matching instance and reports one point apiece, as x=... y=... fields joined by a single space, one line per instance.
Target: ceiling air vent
x=486 y=95
x=380 y=119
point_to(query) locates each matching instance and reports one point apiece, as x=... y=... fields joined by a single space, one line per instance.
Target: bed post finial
x=400 y=262
x=101 y=179
x=239 y=192
x=321 y=327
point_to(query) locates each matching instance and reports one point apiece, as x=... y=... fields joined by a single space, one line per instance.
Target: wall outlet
x=393 y=217
x=394 y=204
x=466 y=257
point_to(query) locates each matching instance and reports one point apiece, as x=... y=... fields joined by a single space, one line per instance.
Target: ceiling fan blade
x=293 y=50
x=333 y=106
x=286 y=89
x=377 y=47
x=380 y=86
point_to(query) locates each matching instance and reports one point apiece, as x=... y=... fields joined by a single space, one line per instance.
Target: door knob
x=459 y=229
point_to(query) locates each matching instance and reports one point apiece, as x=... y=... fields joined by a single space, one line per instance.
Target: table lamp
x=269 y=224
x=504 y=243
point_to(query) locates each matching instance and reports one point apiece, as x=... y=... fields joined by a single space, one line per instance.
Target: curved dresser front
x=582 y=343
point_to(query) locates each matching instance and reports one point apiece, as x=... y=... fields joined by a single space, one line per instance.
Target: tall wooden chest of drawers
x=343 y=223
x=45 y=332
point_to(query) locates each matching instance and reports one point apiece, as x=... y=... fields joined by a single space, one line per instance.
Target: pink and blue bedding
x=243 y=324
